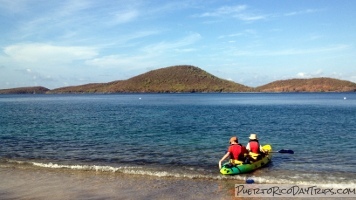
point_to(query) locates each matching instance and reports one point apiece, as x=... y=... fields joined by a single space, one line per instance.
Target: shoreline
x=25 y=183
x=42 y=184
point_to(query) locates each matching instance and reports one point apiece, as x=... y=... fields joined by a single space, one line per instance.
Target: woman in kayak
x=236 y=152
x=255 y=148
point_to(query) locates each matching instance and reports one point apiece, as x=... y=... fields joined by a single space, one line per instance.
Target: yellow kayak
x=229 y=169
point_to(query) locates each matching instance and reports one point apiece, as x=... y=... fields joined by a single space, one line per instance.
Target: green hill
x=309 y=85
x=87 y=88
x=175 y=79
x=188 y=79
x=25 y=90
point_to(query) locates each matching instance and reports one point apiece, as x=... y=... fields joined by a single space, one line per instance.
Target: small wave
x=191 y=173
x=78 y=167
x=137 y=171
x=73 y=167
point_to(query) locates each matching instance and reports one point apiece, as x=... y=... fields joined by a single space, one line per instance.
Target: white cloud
x=72 y=7
x=128 y=40
x=353 y=78
x=63 y=18
x=48 y=17
x=185 y=50
x=230 y=35
x=125 y=16
x=239 y=12
x=166 y=46
x=45 y=53
x=124 y=62
x=301 y=12
x=318 y=73
x=148 y=54
x=13 y=6
x=247 y=32
x=288 y=52
x=250 y=17
x=340 y=47
x=302 y=75
x=223 y=11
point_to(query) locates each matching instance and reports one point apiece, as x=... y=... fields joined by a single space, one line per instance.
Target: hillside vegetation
x=183 y=78
x=308 y=85
x=189 y=79
x=25 y=90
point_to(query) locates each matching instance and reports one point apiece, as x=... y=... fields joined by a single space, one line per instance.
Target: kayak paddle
x=284 y=151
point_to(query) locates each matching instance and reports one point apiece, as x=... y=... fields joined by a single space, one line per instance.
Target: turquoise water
x=182 y=135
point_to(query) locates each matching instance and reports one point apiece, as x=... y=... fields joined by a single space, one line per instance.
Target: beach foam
x=275 y=177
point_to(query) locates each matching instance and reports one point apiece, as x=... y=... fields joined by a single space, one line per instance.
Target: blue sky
x=73 y=42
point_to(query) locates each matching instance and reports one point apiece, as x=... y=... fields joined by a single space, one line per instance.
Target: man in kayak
x=254 y=147
x=236 y=152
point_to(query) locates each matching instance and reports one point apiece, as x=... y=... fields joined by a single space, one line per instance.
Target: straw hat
x=233 y=139
x=253 y=136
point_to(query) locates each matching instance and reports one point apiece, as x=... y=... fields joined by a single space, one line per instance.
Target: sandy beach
x=40 y=184
x=64 y=184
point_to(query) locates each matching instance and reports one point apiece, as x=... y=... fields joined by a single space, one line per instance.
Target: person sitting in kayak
x=236 y=152
x=255 y=149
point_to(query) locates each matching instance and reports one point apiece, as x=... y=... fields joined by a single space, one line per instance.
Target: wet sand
x=57 y=184
x=28 y=183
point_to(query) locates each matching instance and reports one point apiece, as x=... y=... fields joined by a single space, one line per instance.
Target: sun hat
x=253 y=136
x=233 y=139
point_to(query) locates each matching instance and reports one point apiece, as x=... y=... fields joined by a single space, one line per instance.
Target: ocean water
x=181 y=135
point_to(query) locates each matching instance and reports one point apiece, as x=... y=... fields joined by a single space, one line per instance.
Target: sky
x=252 y=42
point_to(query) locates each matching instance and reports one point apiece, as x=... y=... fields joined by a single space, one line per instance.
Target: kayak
x=229 y=169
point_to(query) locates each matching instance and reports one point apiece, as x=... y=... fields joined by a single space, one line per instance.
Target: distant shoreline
x=190 y=79
x=143 y=93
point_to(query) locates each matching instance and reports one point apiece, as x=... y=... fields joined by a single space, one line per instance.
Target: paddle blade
x=286 y=151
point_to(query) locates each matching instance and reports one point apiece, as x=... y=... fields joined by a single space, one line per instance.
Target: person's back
x=254 y=146
x=237 y=152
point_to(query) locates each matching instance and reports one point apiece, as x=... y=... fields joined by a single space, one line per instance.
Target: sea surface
x=181 y=135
